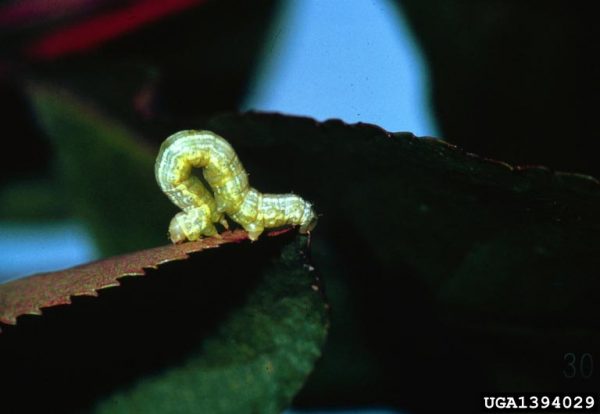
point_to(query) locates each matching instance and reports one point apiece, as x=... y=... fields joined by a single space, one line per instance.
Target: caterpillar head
x=309 y=219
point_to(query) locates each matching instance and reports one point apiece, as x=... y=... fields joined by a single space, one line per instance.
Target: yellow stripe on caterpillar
x=231 y=193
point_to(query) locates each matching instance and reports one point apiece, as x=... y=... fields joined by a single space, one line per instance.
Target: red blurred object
x=103 y=27
x=20 y=13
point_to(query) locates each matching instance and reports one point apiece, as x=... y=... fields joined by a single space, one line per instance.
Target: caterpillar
x=230 y=193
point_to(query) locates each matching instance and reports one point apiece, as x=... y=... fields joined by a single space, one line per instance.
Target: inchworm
x=229 y=194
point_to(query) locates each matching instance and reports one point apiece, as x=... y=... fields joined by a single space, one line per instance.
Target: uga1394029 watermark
x=539 y=402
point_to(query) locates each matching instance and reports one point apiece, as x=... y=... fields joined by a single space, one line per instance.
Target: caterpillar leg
x=192 y=225
x=254 y=230
x=223 y=222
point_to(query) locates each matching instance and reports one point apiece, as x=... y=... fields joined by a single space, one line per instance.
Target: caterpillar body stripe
x=230 y=193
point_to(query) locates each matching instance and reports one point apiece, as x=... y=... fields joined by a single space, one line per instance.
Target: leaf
x=31 y=201
x=107 y=170
x=530 y=112
x=230 y=330
x=27 y=296
x=256 y=362
x=444 y=262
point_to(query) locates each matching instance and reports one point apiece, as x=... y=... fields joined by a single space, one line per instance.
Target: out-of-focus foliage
x=101 y=162
x=514 y=80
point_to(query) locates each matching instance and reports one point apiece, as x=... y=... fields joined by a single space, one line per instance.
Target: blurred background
x=359 y=63
x=510 y=80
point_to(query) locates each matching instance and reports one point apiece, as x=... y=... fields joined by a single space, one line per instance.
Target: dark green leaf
x=454 y=273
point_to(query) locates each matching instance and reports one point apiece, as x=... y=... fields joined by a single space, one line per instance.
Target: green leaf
x=32 y=201
x=444 y=262
x=256 y=362
x=107 y=170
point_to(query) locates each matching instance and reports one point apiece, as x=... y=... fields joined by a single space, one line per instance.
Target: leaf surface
x=442 y=262
x=27 y=296
x=234 y=329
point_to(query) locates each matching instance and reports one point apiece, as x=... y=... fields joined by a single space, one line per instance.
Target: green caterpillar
x=231 y=193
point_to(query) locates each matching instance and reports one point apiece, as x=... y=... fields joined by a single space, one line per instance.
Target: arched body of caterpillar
x=231 y=194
